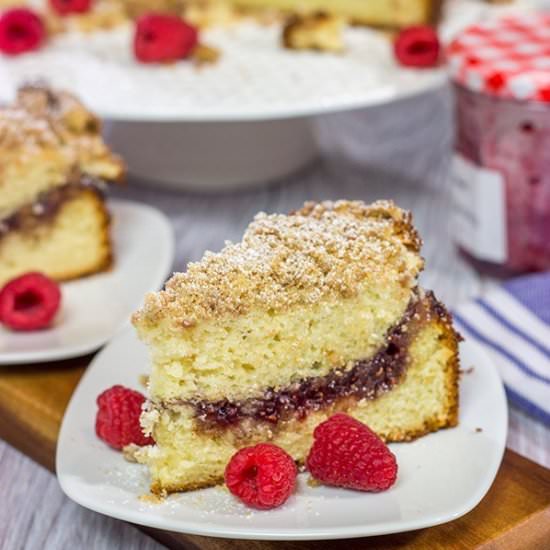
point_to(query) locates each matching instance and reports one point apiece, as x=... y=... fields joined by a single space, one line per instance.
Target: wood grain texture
x=32 y=405
x=400 y=152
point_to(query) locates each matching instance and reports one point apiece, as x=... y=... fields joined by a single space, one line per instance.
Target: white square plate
x=95 y=307
x=441 y=476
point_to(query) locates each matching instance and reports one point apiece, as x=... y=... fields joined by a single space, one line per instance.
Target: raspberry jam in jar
x=501 y=168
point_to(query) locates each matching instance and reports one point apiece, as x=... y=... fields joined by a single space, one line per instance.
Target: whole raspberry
x=347 y=453
x=263 y=476
x=29 y=302
x=163 y=38
x=21 y=31
x=117 y=419
x=65 y=7
x=417 y=47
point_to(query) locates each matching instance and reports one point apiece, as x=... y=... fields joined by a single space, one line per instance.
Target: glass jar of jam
x=501 y=167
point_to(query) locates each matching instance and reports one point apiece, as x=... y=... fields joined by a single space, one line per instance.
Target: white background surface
x=399 y=152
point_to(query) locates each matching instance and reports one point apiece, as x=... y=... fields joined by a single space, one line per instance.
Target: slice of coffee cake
x=312 y=313
x=52 y=162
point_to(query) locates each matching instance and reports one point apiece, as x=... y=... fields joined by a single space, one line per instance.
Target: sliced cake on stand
x=380 y=13
x=312 y=313
x=53 y=164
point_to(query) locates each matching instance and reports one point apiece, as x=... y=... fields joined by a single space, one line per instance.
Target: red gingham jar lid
x=507 y=57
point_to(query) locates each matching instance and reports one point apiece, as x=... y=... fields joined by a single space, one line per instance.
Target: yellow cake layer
x=384 y=13
x=72 y=242
x=238 y=357
x=187 y=458
x=23 y=180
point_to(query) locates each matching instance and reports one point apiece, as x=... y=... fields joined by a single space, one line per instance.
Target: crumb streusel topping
x=41 y=120
x=326 y=249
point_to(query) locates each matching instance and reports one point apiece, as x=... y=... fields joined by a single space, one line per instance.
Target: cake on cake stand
x=247 y=118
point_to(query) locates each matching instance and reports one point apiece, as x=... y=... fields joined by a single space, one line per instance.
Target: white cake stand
x=245 y=119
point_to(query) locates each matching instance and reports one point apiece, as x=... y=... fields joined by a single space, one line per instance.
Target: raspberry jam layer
x=45 y=208
x=366 y=379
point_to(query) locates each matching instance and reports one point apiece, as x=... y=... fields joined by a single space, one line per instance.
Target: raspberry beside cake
x=53 y=161
x=312 y=313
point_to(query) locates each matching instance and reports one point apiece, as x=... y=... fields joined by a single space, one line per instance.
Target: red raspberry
x=347 y=453
x=117 y=420
x=65 y=7
x=163 y=38
x=21 y=30
x=29 y=302
x=417 y=47
x=263 y=476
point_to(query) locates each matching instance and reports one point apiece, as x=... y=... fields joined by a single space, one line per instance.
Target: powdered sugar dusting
x=326 y=249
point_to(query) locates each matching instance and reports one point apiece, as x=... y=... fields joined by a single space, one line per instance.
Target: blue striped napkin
x=512 y=323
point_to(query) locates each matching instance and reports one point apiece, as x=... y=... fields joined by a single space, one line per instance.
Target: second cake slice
x=53 y=165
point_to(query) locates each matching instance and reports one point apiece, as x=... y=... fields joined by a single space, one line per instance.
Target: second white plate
x=441 y=476
x=95 y=307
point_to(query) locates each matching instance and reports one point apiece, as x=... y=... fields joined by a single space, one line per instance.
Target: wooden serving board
x=514 y=514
